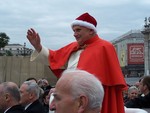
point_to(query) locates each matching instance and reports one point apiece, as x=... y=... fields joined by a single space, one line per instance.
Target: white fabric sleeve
x=41 y=57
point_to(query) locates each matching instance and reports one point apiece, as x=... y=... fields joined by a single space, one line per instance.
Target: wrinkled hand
x=34 y=39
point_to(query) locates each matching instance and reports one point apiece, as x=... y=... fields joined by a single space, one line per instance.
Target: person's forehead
x=61 y=93
x=79 y=27
x=23 y=86
x=134 y=90
x=63 y=86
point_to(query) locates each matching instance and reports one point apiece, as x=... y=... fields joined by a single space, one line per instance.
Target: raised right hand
x=34 y=39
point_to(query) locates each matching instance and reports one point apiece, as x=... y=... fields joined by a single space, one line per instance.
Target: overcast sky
x=52 y=18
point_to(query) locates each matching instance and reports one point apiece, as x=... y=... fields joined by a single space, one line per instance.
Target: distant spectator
x=46 y=97
x=133 y=92
x=45 y=100
x=41 y=91
x=142 y=101
x=43 y=83
x=9 y=98
x=30 y=97
x=31 y=79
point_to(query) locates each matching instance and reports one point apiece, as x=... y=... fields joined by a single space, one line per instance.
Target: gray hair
x=32 y=87
x=132 y=88
x=86 y=83
x=12 y=89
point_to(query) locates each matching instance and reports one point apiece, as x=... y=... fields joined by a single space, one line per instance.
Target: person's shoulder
x=16 y=109
x=146 y=97
x=104 y=43
x=72 y=43
x=35 y=107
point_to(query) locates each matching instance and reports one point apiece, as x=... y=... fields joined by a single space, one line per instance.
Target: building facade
x=15 y=50
x=130 y=51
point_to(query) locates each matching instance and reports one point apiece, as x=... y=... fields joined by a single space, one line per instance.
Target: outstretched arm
x=34 y=39
x=41 y=54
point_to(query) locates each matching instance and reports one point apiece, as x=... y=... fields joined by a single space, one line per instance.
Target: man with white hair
x=29 y=91
x=77 y=91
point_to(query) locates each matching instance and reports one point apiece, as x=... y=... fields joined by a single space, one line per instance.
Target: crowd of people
x=138 y=95
x=73 y=93
x=28 y=98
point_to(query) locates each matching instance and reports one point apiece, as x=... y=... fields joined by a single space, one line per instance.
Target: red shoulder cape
x=100 y=59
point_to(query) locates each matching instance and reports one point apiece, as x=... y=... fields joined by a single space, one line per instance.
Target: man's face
x=81 y=34
x=133 y=94
x=142 y=86
x=24 y=95
x=63 y=101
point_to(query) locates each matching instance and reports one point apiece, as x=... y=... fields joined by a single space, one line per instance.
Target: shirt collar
x=27 y=106
x=89 y=41
x=7 y=109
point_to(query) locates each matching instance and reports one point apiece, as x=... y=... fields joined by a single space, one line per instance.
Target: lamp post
x=24 y=53
x=146 y=32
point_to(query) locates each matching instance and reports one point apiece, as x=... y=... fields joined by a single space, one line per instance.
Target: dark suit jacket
x=140 y=102
x=35 y=107
x=16 y=109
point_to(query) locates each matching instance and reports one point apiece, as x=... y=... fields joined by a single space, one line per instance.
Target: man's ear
x=145 y=87
x=92 y=32
x=83 y=103
x=31 y=95
x=7 y=97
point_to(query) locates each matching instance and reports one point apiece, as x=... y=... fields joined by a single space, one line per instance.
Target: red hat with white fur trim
x=85 y=20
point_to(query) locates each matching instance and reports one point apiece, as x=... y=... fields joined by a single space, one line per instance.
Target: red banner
x=135 y=53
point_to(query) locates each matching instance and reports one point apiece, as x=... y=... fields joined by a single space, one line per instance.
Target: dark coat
x=35 y=107
x=140 y=102
x=16 y=109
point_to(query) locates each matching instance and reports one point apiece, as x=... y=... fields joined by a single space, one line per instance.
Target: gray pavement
x=132 y=80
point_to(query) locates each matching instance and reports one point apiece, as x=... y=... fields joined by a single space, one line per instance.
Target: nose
x=51 y=103
x=52 y=106
x=75 y=34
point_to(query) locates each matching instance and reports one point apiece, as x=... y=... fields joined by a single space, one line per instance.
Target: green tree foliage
x=8 y=53
x=4 y=39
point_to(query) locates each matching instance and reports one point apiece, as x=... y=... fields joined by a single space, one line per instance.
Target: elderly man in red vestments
x=90 y=53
